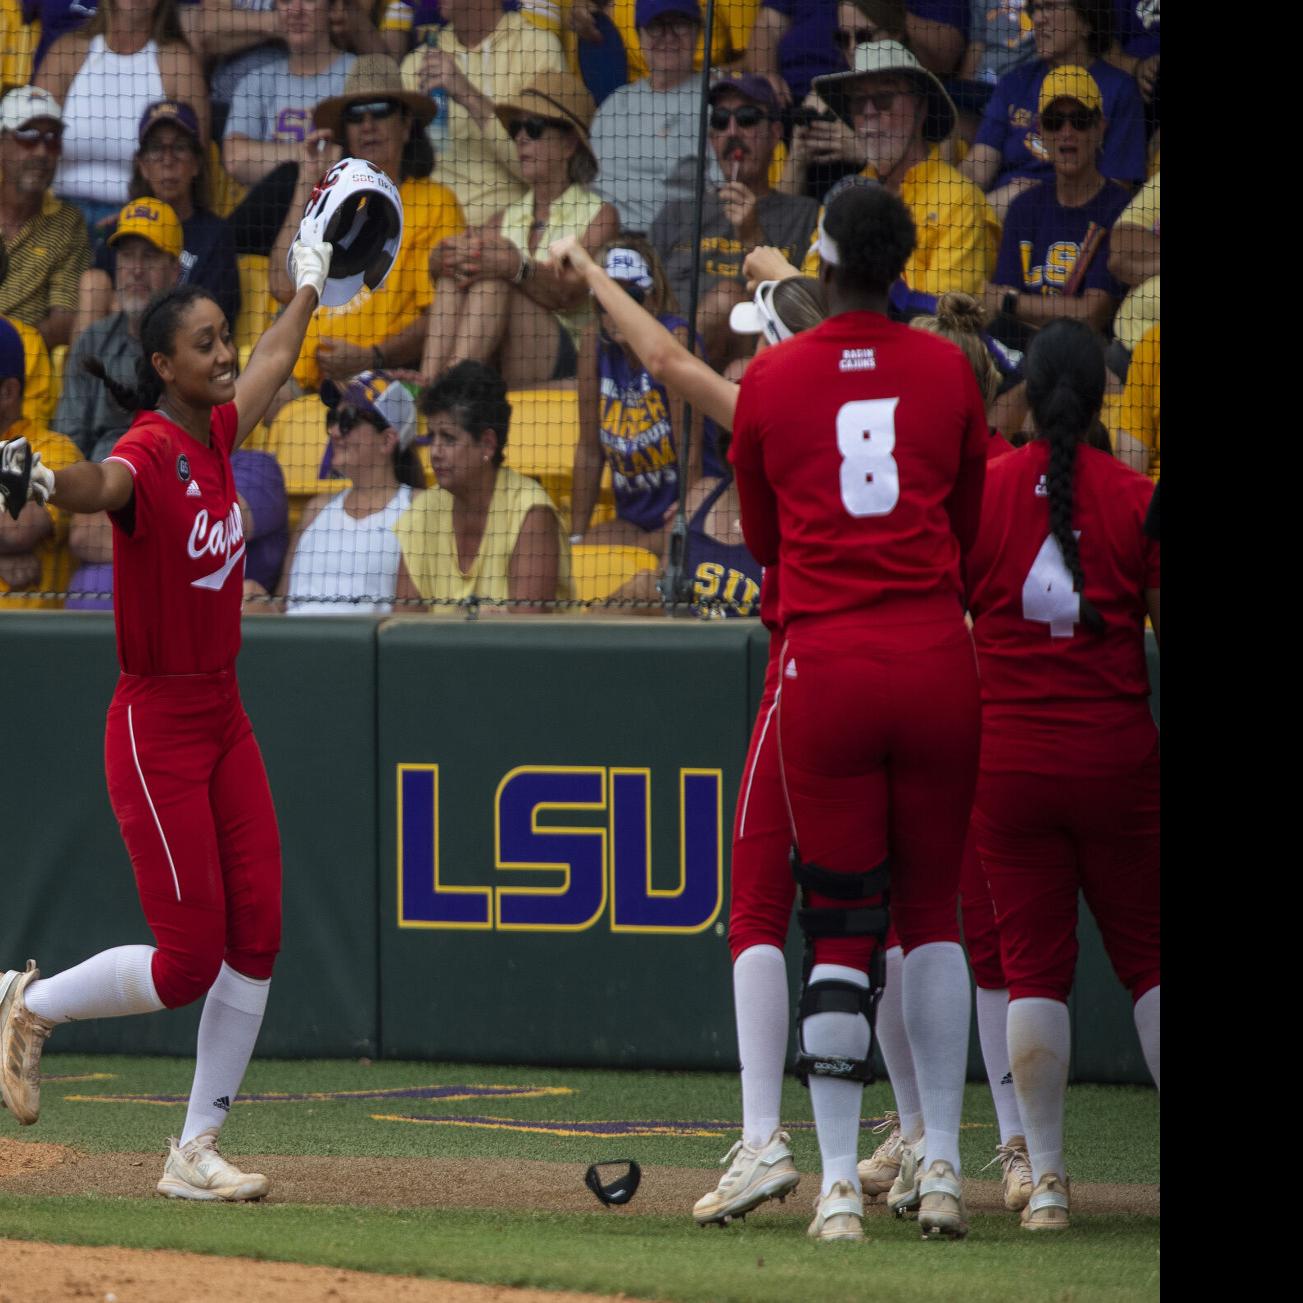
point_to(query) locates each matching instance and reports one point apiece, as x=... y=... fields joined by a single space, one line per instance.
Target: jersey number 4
x=866 y=439
x=1047 y=592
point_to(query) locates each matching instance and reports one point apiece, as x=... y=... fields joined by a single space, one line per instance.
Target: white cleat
x=1017 y=1172
x=1047 y=1209
x=878 y=1172
x=22 y=1038
x=903 y=1197
x=197 y=1171
x=753 y=1176
x=941 y=1211
x=838 y=1215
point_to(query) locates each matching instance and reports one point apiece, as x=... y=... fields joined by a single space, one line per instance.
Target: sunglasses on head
x=378 y=111
x=745 y=115
x=348 y=418
x=1053 y=120
x=848 y=38
x=30 y=137
x=535 y=127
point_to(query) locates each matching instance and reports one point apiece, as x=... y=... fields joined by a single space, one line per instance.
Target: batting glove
x=16 y=463
x=310 y=264
x=41 y=486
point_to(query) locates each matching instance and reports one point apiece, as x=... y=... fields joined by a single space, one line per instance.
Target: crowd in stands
x=146 y=143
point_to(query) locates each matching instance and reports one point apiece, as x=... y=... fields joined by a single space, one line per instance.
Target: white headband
x=759 y=317
x=629 y=265
x=827 y=246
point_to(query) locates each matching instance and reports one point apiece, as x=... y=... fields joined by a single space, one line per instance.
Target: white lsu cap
x=759 y=316
x=25 y=104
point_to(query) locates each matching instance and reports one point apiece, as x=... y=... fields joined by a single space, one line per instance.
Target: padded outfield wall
x=504 y=841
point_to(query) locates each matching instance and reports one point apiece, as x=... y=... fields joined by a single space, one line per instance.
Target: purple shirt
x=1136 y=24
x=1042 y=241
x=807 y=50
x=954 y=13
x=1009 y=124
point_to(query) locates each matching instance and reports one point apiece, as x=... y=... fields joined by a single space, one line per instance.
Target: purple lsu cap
x=647 y=12
x=13 y=357
x=384 y=401
x=750 y=85
x=177 y=112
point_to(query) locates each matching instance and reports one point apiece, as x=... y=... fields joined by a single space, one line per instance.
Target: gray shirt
x=786 y=221
x=273 y=103
x=87 y=411
x=646 y=147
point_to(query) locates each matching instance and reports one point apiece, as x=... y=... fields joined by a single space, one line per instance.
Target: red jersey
x=861 y=445
x=178 y=549
x=1044 y=673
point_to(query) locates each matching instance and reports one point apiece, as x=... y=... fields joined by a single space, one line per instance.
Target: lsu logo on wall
x=555 y=874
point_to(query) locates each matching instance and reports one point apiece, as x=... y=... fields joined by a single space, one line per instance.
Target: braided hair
x=1065 y=389
x=158 y=327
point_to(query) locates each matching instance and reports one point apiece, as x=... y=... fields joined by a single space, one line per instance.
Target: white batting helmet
x=356 y=208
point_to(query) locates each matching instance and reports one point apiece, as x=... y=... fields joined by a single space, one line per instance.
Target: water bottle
x=437 y=131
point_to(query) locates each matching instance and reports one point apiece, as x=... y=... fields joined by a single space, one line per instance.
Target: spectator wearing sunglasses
x=645 y=133
x=899 y=110
x=500 y=301
x=375 y=118
x=271 y=114
x=745 y=211
x=1054 y=252
x=344 y=556
x=46 y=238
x=628 y=419
x=1010 y=155
x=480 y=58
x=169 y=165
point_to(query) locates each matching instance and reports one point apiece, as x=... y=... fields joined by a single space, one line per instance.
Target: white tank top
x=342 y=558
x=101 y=116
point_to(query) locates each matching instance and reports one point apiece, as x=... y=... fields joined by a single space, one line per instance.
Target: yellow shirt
x=38 y=377
x=1139 y=414
x=1142 y=307
x=734 y=20
x=57 y=451
x=430 y=214
x=572 y=213
x=958 y=232
x=425 y=534
x=1144 y=208
x=479 y=164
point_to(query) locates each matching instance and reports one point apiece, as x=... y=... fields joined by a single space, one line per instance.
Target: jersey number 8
x=866 y=438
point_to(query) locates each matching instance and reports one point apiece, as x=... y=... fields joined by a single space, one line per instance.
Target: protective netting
x=480 y=432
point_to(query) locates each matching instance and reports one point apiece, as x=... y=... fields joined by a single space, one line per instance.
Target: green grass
x=1112 y=1258
x=1112 y=1136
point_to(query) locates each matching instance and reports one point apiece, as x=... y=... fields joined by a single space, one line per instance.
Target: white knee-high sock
x=1146 y=1016
x=836 y=1103
x=760 y=1003
x=228 y=1028
x=1040 y=1044
x=893 y=1041
x=935 y=979
x=108 y=985
x=993 y=1031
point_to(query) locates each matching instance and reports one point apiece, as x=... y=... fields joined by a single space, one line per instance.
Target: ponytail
x=1065 y=389
x=158 y=327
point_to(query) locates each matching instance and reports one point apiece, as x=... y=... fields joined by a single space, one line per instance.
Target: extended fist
x=22 y=477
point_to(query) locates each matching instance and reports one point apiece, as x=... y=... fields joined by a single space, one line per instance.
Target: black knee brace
x=833 y=996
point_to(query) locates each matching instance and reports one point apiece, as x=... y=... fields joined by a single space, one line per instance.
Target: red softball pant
x=878 y=730
x=1043 y=838
x=187 y=783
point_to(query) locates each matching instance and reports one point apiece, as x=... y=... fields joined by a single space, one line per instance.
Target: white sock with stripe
x=108 y=985
x=760 y=1001
x=993 y=1031
x=228 y=1029
x=1146 y=1016
x=836 y=1103
x=1040 y=1042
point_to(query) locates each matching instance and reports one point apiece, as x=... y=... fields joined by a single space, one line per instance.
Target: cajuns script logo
x=217 y=538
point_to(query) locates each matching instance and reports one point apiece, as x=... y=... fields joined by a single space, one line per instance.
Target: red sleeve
x=224 y=426
x=964 y=503
x=140 y=452
x=1151 y=553
x=756 y=495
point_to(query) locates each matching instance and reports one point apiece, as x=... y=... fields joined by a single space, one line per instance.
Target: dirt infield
x=47 y=1273
x=42 y=1169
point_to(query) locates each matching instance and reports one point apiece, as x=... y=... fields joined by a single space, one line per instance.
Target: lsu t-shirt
x=178 y=548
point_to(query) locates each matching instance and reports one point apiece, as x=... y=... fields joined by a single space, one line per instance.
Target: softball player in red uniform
x=860 y=452
x=185 y=775
x=1061 y=579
